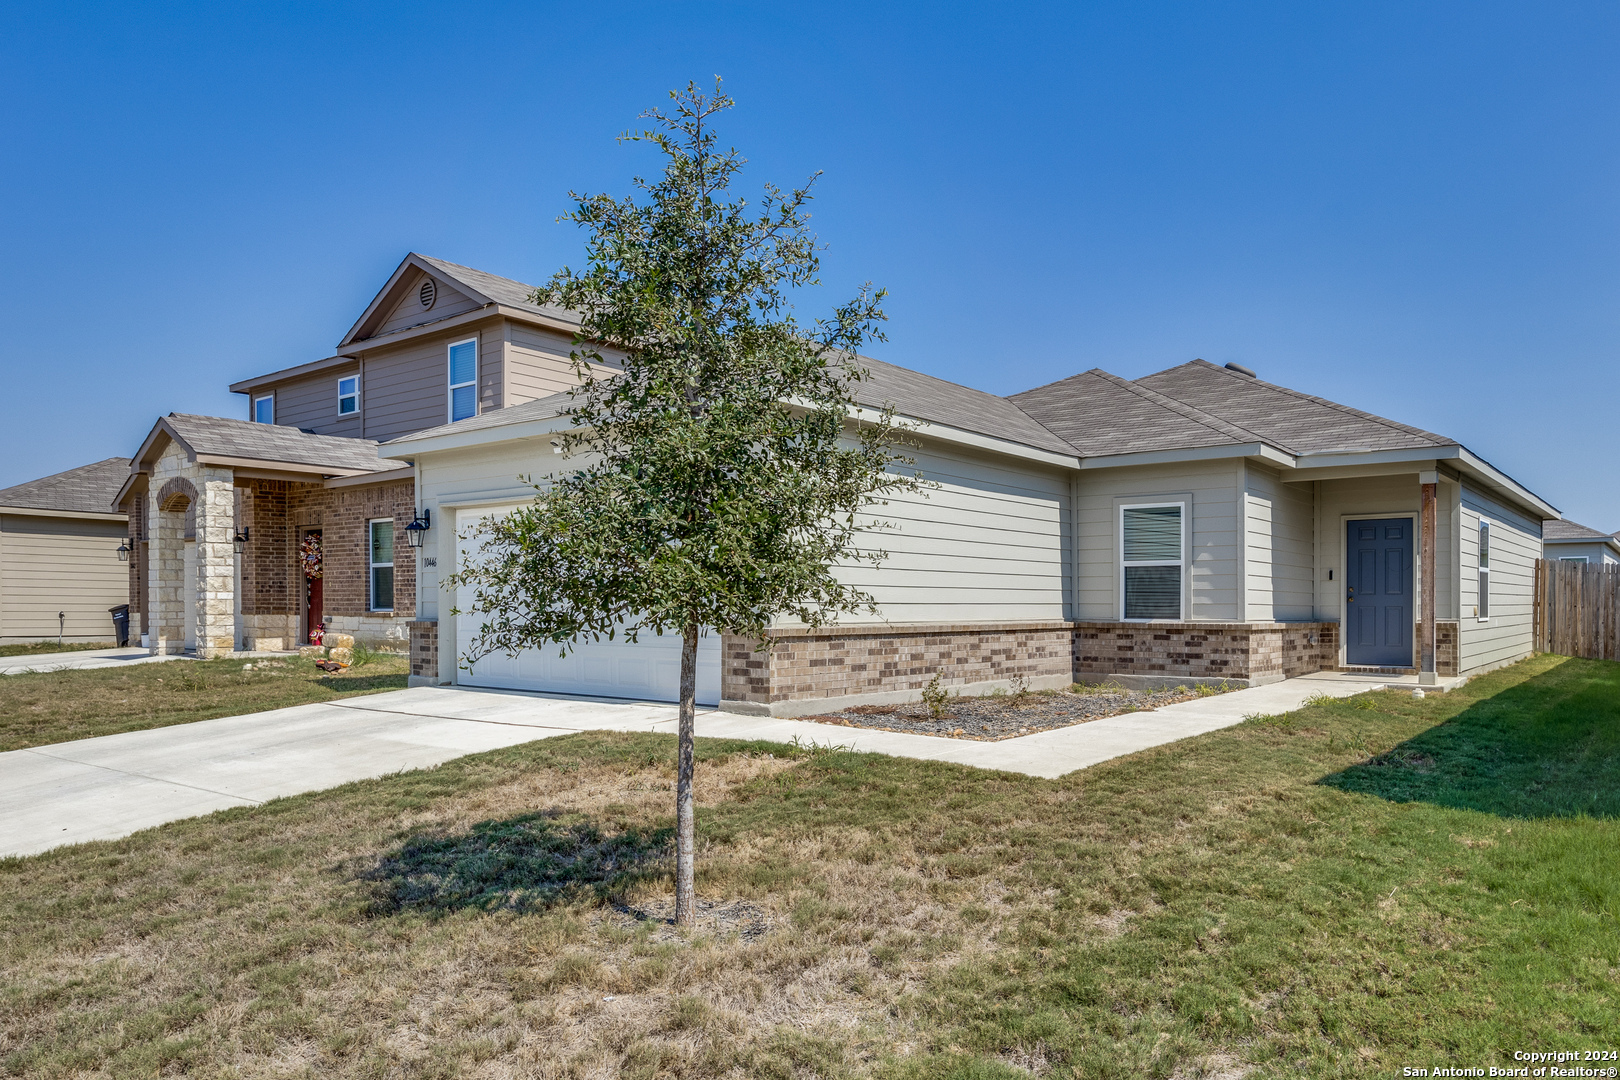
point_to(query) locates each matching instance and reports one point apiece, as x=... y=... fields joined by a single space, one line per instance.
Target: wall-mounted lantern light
x=241 y=540
x=416 y=531
x=123 y=551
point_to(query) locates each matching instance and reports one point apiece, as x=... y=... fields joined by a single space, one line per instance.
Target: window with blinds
x=463 y=379
x=1151 y=547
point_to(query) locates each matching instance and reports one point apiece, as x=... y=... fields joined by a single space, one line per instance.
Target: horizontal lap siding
x=539 y=363
x=408 y=387
x=1382 y=496
x=1515 y=546
x=1216 y=534
x=312 y=403
x=987 y=545
x=1280 y=523
x=56 y=564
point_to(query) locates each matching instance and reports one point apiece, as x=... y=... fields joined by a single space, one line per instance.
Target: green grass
x=41 y=707
x=1361 y=885
x=35 y=648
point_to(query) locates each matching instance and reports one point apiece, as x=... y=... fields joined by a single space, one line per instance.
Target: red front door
x=310 y=562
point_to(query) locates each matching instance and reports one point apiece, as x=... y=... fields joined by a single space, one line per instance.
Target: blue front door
x=1378 y=593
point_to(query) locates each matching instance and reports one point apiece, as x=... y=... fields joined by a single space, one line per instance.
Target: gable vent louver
x=428 y=293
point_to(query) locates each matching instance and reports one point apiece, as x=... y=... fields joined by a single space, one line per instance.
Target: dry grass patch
x=1270 y=900
x=42 y=707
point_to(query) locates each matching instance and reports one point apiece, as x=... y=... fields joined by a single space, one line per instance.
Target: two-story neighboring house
x=250 y=533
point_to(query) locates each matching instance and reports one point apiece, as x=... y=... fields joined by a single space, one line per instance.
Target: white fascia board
x=1413 y=455
x=1506 y=484
x=1202 y=453
x=409 y=448
x=76 y=515
x=945 y=433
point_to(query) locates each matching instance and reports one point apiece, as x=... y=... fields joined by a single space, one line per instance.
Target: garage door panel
x=649 y=669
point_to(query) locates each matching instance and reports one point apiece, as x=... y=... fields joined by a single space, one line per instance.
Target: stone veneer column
x=216 y=563
x=166 y=535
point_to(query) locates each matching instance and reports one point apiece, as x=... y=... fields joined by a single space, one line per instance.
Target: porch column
x=1430 y=481
x=216 y=564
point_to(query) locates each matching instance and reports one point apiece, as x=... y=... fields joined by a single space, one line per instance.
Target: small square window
x=264 y=409
x=349 y=395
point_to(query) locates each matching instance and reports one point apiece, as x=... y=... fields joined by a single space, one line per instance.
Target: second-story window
x=264 y=409
x=349 y=395
x=464 y=379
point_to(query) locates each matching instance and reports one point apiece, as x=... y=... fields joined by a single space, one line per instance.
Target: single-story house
x=1195 y=524
x=61 y=570
x=1567 y=541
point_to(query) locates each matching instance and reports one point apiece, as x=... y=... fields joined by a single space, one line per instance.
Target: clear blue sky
x=1410 y=208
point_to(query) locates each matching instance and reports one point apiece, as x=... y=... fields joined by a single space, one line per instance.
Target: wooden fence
x=1577 y=609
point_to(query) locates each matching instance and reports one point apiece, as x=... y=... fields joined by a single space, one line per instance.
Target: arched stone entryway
x=192 y=579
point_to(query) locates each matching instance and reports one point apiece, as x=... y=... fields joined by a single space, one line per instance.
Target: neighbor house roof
x=1558 y=530
x=268 y=444
x=89 y=489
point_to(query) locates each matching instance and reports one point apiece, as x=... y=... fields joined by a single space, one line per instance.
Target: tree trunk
x=685 y=824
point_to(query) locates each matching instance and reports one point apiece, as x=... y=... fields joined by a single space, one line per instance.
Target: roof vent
x=428 y=293
x=1241 y=370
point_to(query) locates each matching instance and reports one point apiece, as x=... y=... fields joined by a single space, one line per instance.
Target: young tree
x=727 y=463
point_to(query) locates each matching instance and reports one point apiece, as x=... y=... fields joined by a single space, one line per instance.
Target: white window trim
x=1575 y=558
x=371 y=567
x=1119 y=540
x=271 y=398
x=355 y=395
x=1482 y=580
x=450 y=394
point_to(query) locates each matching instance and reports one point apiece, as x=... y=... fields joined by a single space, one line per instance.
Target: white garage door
x=649 y=669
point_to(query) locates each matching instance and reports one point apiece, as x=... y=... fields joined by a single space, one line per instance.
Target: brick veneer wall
x=848 y=661
x=424 y=649
x=278 y=512
x=1257 y=652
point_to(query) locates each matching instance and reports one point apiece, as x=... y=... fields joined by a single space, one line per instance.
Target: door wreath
x=309 y=555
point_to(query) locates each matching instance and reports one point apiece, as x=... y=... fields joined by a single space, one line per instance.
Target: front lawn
x=43 y=707
x=1360 y=886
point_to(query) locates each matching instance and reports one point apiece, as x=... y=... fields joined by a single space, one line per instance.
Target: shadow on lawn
x=1545 y=747
x=349 y=684
x=519 y=864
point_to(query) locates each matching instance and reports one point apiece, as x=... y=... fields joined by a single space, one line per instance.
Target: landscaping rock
x=312 y=652
x=340 y=654
x=339 y=641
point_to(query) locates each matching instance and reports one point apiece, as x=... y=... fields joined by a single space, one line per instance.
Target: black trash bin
x=120 y=616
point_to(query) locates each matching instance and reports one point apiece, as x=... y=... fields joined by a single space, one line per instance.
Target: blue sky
x=1408 y=208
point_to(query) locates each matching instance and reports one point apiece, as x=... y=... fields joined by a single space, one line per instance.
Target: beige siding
x=539 y=363
x=1515 y=546
x=1381 y=496
x=49 y=565
x=1280 y=543
x=987 y=545
x=408 y=386
x=1215 y=491
x=409 y=312
x=311 y=403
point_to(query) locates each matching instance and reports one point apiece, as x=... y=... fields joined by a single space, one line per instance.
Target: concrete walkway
x=114 y=785
x=86 y=658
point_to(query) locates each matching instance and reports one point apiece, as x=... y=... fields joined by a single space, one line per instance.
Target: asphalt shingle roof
x=1559 y=529
x=1099 y=414
x=88 y=489
x=1287 y=419
x=276 y=442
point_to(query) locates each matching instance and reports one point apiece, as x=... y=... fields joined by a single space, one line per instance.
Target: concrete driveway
x=114 y=785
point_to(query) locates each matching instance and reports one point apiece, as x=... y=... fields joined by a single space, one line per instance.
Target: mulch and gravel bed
x=1008 y=716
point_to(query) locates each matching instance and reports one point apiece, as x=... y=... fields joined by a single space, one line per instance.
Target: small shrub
x=1211 y=689
x=936 y=697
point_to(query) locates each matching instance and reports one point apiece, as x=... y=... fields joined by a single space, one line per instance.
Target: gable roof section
x=269 y=444
x=485 y=288
x=1100 y=415
x=89 y=489
x=913 y=395
x=1287 y=419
